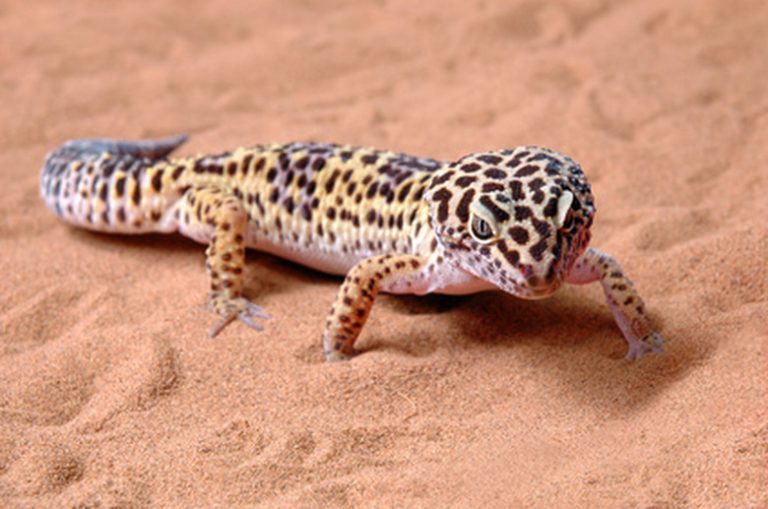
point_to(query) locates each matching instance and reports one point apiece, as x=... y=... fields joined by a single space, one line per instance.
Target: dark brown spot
x=500 y=214
x=246 y=165
x=372 y=189
x=465 y=181
x=331 y=182
x=120 y=186
x=259 y=165
x=512 y=256
x=550 y=209
x=470 y=167
x=490 y=187
x=302 y=163
x=526 y=170
x=542 y=227
x=439 y=179
x=495 y=173
x=519 y=235
x=537 y=250
x=272 y=174
x=404 y=192
x=103 y=192
x=318 y=164
x=522 y=212
x=536 y=183
x=288 y=204
x=462 y=210
x=443 y=195
x=136 y=195
x=283 y=160
x=489 y=159
x=517 y=190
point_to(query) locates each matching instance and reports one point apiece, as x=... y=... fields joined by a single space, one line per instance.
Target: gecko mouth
x=540 y=287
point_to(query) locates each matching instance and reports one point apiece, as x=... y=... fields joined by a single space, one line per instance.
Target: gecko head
x=516 y=218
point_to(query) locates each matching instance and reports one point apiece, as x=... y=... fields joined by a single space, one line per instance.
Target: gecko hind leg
x=218 y=217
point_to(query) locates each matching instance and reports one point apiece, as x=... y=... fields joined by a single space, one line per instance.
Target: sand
x=111 y=395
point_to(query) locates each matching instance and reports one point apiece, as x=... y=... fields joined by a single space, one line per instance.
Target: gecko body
x=516 y=220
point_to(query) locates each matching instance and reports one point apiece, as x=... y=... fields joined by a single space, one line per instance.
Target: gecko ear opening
x=563 y=208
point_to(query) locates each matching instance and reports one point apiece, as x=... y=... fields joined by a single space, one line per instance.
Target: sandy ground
x=111 y=394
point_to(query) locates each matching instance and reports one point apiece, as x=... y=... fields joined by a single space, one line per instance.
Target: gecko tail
x=151 y=149
x=86 y=182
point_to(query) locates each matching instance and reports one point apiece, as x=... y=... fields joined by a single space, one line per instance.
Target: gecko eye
x=480 y=229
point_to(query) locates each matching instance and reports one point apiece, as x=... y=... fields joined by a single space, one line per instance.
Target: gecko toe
x=241 y=309
x=338 y=355
x=651 y=343
x=219 y=326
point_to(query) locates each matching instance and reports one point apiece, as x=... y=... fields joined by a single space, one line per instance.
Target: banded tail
x=109 y=185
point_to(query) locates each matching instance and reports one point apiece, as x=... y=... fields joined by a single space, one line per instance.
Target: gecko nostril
x=526 y=270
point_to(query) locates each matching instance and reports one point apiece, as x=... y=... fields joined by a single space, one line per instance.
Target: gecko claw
x=243 y=310
x=253 y=311
x=650 y=343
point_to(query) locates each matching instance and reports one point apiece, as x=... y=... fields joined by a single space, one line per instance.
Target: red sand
x=111 y=394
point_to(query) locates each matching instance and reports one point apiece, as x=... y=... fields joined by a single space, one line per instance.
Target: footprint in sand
x=47 y=467
x=234 y=443
x=305 y=463
x=23 y=325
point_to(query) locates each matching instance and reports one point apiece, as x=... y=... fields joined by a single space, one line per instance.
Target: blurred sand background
x=111 y=395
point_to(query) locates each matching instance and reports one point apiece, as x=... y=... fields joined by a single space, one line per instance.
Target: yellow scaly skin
x=517 y=220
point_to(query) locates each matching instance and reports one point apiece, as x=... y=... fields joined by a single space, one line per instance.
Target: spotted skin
x=516 y=220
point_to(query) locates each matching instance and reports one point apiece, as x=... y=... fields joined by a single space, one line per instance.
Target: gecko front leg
x=355 y=299
x=626 y=304
x=215 y=215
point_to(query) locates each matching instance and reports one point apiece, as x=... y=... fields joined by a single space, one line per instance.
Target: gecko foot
x=241 y=309
x=338 y=355
x=650 y=343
